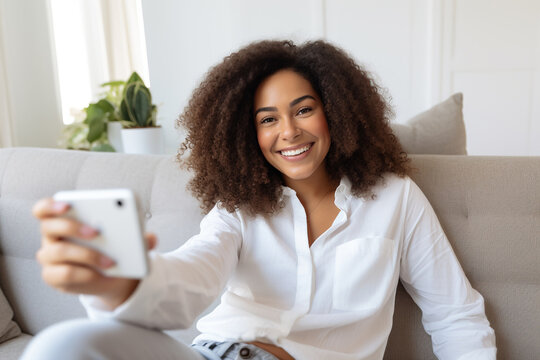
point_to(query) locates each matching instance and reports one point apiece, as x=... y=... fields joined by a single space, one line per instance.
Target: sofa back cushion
x=438 y=130
x=30 y=174
x=8 y=328
x=488 y=207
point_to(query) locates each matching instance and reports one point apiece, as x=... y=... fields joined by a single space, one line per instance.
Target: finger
x=48 y=207
x=151 y=240
x=81 y=280
x=64 y=227
x=69 y=277
x=62 y=252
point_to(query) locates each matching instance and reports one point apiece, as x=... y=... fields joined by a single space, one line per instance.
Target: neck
x=316 y=186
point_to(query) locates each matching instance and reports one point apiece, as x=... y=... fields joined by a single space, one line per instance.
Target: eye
x=304 y=110
x=267 y=120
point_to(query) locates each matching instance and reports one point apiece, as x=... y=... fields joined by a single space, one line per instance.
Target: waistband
x=230 y=350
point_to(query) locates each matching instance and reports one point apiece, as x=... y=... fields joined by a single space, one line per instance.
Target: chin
x=297 y=176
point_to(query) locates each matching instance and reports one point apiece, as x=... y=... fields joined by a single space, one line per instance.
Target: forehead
x=284 y=85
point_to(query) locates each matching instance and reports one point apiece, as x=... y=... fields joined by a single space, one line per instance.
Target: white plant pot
x=114 y=134
x=142 y=140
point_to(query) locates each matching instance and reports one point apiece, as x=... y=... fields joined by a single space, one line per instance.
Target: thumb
x=151 y=240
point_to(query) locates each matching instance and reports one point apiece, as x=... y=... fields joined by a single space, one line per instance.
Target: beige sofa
x=489 y=207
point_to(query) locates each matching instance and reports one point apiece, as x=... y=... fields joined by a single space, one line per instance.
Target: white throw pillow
x=8 y=328
x=439 y=130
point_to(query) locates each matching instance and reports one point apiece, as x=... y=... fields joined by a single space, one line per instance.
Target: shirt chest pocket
x=364 y=274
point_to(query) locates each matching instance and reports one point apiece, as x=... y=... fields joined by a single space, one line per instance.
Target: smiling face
x=291 y=126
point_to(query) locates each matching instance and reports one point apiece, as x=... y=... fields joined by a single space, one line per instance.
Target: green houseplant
x=123 y=104
x=136 y=108
x=140 y=134
x=89 y=130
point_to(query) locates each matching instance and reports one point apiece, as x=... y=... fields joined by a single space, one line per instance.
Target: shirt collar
x=342 y=195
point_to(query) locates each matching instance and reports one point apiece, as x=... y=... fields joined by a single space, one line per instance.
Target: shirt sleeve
x=452 y=311
x=183 y=282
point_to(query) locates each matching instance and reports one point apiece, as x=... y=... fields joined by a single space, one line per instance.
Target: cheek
x=321 y=129
x=264 y=139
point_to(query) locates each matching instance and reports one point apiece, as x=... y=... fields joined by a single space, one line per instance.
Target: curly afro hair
x=221 y=144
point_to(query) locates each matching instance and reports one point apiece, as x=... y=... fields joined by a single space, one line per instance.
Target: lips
x=297 y=151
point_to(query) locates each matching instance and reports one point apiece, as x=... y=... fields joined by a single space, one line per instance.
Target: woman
x=311 y=222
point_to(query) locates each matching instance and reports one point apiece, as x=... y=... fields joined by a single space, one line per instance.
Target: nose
x=289 y=129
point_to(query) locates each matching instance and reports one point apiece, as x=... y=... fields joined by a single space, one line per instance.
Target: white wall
x=493 y=57
x=6 y=133
x=184 y=38
x=28 y=91
x=421 y=50
x=391 y=38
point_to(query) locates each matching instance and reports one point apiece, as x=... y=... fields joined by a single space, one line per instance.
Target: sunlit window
x=87 y=49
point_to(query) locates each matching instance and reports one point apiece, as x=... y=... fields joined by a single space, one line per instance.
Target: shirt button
x=245 y=353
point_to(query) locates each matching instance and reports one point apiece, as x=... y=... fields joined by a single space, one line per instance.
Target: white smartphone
x=113 y=212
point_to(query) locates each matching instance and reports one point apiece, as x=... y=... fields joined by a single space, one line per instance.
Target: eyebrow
x=292 y=103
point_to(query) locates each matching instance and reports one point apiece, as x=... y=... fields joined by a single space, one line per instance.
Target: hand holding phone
x=113 y=212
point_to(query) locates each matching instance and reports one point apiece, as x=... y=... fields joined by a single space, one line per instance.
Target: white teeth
x=296 y=152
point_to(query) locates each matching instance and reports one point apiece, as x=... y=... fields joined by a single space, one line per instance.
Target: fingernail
x=60 y=206
x=87 y=231
x=105 y=262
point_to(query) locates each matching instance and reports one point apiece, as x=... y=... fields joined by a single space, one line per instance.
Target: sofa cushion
x=439 y=130
x=8 y=328
x=13 y=349
x=488 y=207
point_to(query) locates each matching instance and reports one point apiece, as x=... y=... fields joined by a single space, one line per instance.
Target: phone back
x=113 y=212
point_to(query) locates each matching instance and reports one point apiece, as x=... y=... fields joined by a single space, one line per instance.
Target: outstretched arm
x=452 y=311
x=183 y=282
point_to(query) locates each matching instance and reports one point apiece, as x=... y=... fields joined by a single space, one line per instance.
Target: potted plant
x=114 y=126
x=97 y=127
x=140 y=134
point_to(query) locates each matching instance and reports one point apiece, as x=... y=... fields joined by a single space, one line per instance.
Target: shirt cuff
x=480 y=354
x=138 y=307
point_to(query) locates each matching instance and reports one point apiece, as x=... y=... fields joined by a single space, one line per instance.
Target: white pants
x=85 y=339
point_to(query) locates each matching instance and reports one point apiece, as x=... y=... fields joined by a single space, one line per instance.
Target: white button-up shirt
x=333 y=300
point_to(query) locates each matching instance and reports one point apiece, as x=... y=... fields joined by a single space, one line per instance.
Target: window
x=96 y=42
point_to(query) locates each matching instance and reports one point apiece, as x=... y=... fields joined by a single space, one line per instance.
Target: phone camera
x=119 y=203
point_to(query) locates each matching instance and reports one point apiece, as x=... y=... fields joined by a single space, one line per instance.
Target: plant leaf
x=113 y=83
x=136 y=105
x=128 y=124
x=93 y=112
x=95 y=129
x=153 y=116
x=134 y=78
x=142 y=106
x=105 y=105
x=124 y=115
x=96 y=118
x=103 y=148
x=125 y=106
